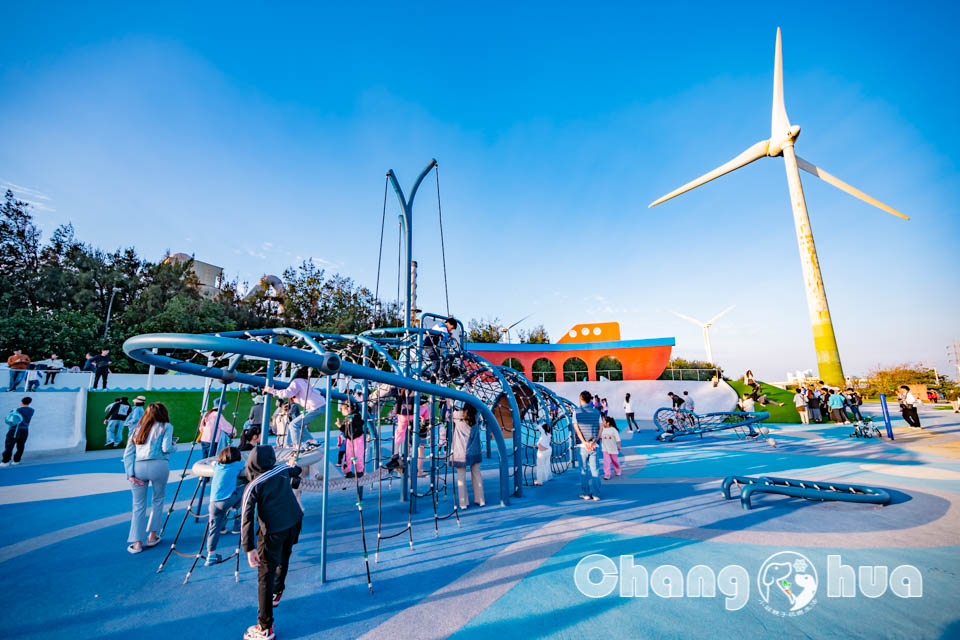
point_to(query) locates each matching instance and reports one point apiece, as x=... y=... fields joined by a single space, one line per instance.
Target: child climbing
x=351 y=428
x=224 y=495
x=312 y=401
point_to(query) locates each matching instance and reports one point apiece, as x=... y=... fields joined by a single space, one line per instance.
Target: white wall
x=59 y=421
x=646 y=396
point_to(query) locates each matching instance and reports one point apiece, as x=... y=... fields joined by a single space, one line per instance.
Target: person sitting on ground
x=224 y=495
x=351 y=428
x=249 y=438
x=146 y=463
x=269 y=501
x=544 y=454
x=465 y=452
x=215 y=429
x=117 y=413
x=610 y=439
x=18 y=430
x=307 y=397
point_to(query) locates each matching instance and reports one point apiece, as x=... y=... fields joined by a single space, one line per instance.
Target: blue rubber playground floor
x=511 y=572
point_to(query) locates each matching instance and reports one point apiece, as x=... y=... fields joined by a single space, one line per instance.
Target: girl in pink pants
x=352 y=427
x=610 y=438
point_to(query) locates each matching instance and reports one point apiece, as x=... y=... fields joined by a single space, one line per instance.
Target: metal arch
x=406 y=221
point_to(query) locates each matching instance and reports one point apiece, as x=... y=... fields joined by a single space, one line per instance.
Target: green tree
x=485 y=331
x=536 y=335
x=19 y=255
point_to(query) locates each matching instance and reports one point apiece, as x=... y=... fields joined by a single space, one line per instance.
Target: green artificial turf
x=184 y=409
x=787 y=414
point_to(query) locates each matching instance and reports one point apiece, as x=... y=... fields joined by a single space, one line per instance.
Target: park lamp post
x=106 y=328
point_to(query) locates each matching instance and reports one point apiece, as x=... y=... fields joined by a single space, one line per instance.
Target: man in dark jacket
x=279 y=516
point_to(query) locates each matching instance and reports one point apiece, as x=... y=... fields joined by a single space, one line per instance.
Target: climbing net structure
x=673 y=423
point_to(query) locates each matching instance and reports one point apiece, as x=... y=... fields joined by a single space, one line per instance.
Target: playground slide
x=808 y=489
x=59 y=423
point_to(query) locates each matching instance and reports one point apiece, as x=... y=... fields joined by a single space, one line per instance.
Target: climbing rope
x=383 y=221
x=443 y=251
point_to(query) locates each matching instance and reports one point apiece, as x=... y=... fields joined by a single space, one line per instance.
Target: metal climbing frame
x=265 y=346
x=808 y=489
x=673 y=423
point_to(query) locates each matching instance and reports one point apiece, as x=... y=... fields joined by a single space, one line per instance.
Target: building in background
x=209 y=275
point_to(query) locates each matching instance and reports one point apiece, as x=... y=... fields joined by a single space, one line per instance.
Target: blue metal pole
x=326 y=476
x=268 y=400
x=886 y=415
x=406 y=222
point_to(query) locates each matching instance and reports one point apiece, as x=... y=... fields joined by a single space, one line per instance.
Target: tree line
x=55 y=295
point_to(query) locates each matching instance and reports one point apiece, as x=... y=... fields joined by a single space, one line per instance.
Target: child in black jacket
x=279 y=516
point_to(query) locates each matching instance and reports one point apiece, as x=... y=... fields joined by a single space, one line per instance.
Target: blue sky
x=254 y=136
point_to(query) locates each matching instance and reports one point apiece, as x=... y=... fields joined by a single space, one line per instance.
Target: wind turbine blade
x=687 y=318
x=717 y=317
x=779 y=123
x=843 y=186
x=755 y=152
x=519 y=321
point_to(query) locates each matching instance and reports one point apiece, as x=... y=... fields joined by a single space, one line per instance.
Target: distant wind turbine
x=781 y=141
x=706 y=328
x=506 y=332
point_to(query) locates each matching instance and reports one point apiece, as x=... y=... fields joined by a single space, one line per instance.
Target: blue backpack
x=14 y=419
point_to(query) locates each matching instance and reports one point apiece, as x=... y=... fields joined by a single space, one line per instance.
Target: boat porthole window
x=573 y=333
x=596 y=331
x=585 y=331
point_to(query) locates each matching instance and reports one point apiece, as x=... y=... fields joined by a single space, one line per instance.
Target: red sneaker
x=276 y=599
x=256 y=632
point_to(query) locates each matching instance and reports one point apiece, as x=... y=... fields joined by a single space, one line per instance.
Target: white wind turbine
x=706 y=328
x=781 y=141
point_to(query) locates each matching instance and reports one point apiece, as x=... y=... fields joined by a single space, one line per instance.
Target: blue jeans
x=855 y=410
x=16 y=376
x=115 y=431
x=218 y=516
x=589 y=472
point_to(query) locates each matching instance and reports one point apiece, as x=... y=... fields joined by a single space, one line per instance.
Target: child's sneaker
x=276 y=599
x=256 y=632
x=212 y=559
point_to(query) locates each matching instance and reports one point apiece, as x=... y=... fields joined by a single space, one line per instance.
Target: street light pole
x=106 y=327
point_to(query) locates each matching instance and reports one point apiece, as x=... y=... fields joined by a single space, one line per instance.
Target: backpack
x=14 y=419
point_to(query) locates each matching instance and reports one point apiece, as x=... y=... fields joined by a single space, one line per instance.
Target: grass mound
x=787 y=414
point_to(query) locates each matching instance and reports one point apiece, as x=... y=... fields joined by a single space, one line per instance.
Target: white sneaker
x=15 y=463
x=4 y=464
x=257 y=633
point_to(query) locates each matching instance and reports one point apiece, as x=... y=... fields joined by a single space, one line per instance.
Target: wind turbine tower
x=783 y=135
x=706 y=329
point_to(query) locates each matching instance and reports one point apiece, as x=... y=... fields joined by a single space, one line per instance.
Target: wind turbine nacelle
x=775 y=149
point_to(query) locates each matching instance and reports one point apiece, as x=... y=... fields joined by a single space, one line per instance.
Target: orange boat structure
x=640 y=359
